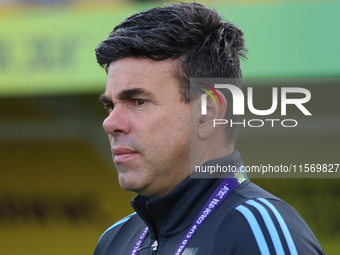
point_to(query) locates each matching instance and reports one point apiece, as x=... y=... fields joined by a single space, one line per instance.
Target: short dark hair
x=196 y=35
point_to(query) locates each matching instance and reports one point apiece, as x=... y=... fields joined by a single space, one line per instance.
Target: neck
x=209 y=150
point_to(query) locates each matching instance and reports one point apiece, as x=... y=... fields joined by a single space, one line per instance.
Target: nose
x=117 y=122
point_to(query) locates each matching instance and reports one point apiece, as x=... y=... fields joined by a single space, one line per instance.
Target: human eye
x=109 y=107
x=107 y=103
x=139 y=102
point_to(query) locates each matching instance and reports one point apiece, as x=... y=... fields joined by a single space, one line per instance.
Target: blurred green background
x=58 y=186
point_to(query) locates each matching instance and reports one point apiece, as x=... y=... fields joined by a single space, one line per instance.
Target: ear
x=215 y=110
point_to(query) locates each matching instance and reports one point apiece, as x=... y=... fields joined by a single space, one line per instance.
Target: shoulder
x=266 y=225
x=118 y=223
x=116 y=230
x=260 y=223
x=117 y=238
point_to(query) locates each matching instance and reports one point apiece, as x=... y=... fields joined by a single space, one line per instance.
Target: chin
x=131 y=184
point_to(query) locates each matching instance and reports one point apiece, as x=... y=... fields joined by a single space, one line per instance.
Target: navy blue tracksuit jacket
x=249 y=221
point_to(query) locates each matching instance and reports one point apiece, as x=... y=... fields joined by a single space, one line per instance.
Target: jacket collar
x=170 y=214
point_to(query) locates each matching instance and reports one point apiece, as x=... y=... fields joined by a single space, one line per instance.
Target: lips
x=123 y=154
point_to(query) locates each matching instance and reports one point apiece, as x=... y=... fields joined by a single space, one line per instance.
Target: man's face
x=148 y=125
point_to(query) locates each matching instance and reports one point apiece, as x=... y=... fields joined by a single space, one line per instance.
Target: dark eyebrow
x=104 y=99
x=127 y=94
x=133 y=93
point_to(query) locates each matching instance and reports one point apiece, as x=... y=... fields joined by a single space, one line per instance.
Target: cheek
x=175 y=131
x=161 y=130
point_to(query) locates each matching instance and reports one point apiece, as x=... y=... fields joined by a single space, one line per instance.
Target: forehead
x=128 y=73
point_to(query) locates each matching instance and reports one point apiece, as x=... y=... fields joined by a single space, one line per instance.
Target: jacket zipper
x=154 y=247
x=155 y=243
